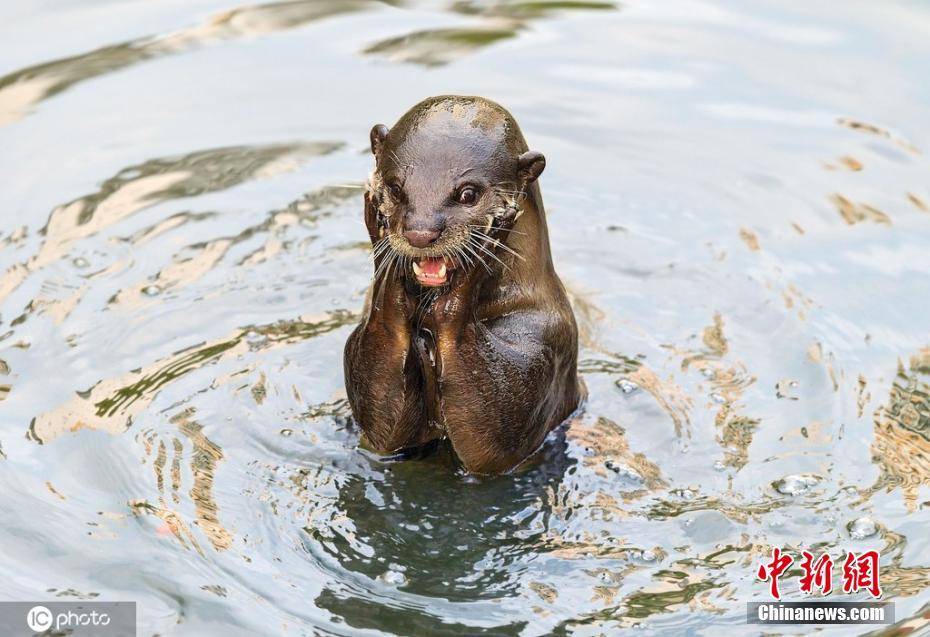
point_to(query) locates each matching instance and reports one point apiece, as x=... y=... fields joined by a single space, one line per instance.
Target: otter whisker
x=397 y=160
x=385 y=264
x=500 y=244
x=378 y=278
x=511 y=230
x=380 y=269
x=426 y=301
x=390 y=270
x=477 y=257
x=467 y=246
x=462 y=257
x=378 y=249
x=484 y=249
x=382 y=283
x=480 y=246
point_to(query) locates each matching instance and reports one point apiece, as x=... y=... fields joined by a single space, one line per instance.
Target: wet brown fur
x=488 y=360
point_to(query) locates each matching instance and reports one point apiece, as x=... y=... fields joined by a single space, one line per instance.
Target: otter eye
x=396 y=191
x=467 y=196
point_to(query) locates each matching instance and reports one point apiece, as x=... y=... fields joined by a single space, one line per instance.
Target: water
x=738 y=202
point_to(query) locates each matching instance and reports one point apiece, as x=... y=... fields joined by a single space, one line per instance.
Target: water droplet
x=862 y=528
x=708 y=373
x=627 y=386
x=287 y=432
x=684 y=494
x=719 y=466
x=151 y=290
x=717 y=398
x=795 y=484
x=80 y=262
x=648 y=556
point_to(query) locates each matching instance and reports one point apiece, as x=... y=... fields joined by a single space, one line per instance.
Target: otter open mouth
x=433 y=271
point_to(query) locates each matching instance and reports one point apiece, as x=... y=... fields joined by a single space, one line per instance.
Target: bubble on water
x=80 y=262
x=287 y=432
x=255 y=339
x=648 y=555
x=795 y=484
x=862 y=528
x=783 y=388
x=151 y=290
x=719 y=466
x=718 y=398
x=708 y=373
x=684 y=494
x=624 y=471
x=393 y=576
x=627 y=386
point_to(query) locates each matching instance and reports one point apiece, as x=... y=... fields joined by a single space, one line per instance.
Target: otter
x=467 y=333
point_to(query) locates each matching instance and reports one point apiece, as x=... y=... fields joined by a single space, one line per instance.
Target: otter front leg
x=383 y=382
x=502 y=388
x=382 y=370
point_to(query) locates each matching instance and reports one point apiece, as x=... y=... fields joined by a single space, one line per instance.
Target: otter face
x=445 y=185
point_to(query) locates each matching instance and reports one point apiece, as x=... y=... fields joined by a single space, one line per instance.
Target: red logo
x=774 y=569
x=817 y=574
x=860 y=572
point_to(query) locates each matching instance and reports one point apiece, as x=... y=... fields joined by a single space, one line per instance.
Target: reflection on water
x=24 y=88
x=902 y=434
x=741 y=225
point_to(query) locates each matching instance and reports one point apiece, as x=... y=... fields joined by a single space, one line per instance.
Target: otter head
x=449 y=180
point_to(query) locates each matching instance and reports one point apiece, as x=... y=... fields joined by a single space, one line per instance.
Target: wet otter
x=467 y=332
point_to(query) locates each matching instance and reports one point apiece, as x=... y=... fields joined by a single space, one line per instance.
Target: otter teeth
x=432 y=271
x=439 y=275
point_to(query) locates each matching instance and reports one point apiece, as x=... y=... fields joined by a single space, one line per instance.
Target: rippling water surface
x=739 y=203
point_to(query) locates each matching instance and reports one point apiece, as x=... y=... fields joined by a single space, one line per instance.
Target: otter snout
x=421 y=238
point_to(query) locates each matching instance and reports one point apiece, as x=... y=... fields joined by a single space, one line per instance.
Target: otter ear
x=378 y=133
x=531 y=165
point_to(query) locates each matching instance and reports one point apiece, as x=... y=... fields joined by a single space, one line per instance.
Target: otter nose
x=421 y=238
